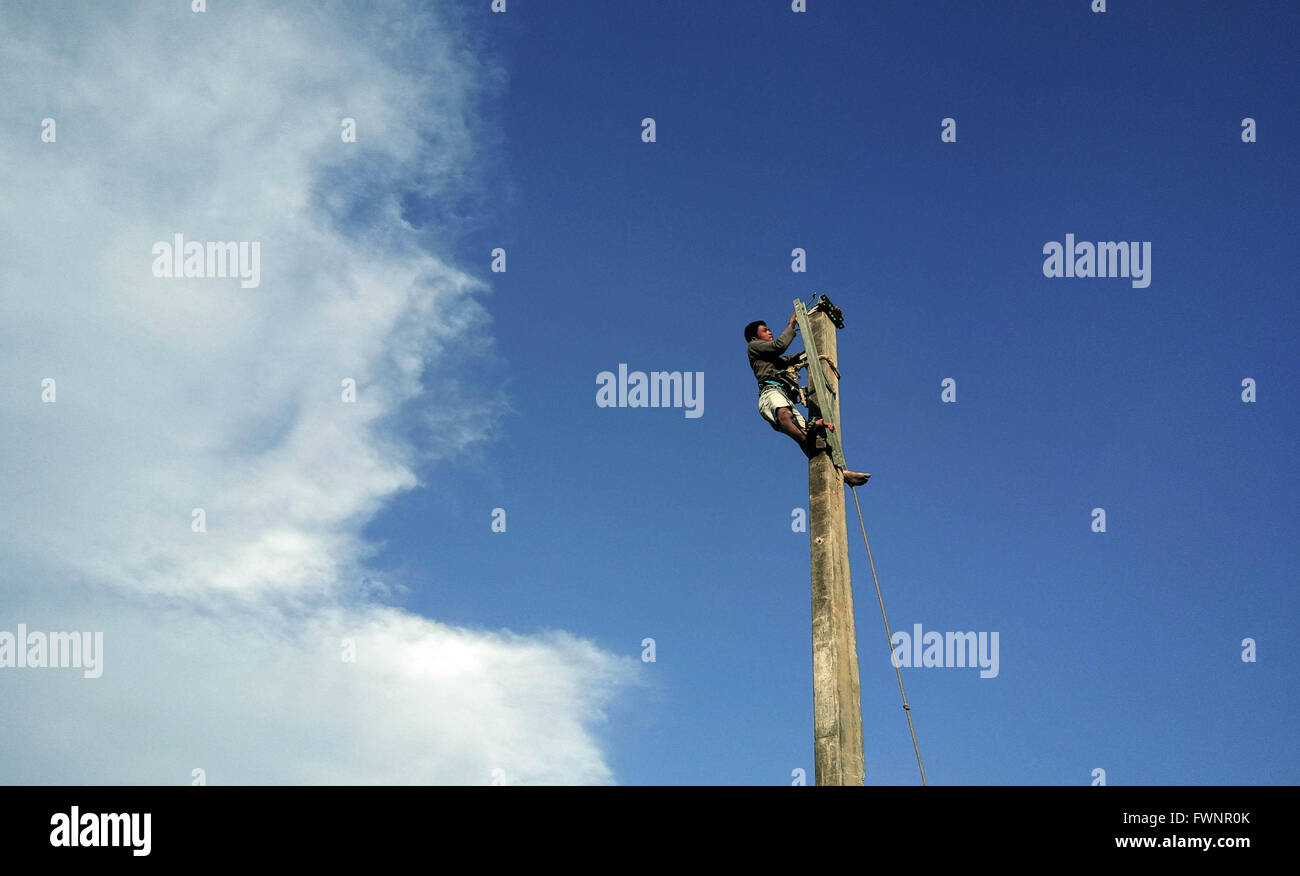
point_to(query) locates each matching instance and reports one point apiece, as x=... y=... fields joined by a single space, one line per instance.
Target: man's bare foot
x=855 y=479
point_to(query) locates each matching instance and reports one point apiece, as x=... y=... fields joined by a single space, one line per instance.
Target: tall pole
x=837 y=699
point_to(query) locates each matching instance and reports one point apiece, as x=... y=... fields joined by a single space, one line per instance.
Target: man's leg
x=785 y=423
x=818 y=427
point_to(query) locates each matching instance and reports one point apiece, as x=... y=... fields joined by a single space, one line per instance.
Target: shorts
x=772 y=398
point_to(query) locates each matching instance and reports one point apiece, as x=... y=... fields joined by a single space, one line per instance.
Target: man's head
x=757 y=329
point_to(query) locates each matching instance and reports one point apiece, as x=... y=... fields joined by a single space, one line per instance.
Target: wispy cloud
x=176 y=394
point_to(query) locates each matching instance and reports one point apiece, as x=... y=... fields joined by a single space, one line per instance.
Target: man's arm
x=799 y=358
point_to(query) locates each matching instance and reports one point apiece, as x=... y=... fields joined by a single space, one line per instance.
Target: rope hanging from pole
x=907 y=710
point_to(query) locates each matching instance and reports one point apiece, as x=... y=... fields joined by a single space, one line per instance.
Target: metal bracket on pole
x=816 y=377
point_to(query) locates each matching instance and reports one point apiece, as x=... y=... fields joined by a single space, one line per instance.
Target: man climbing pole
x=778 y=389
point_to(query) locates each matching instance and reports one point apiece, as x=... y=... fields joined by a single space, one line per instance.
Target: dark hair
x=751 y=330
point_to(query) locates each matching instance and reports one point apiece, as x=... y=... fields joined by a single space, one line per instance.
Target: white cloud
x=182 y=393
x=258 y=698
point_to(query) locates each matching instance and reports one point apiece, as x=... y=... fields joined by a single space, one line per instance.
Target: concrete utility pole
x=837 y=699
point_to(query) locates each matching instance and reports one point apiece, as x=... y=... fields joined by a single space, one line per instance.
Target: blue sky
x=776 y=130
x=363 y=527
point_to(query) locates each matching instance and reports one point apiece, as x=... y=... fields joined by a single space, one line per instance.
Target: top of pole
x=835 y=315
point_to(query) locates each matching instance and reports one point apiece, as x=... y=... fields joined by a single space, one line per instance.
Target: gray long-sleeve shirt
x=765 y=356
